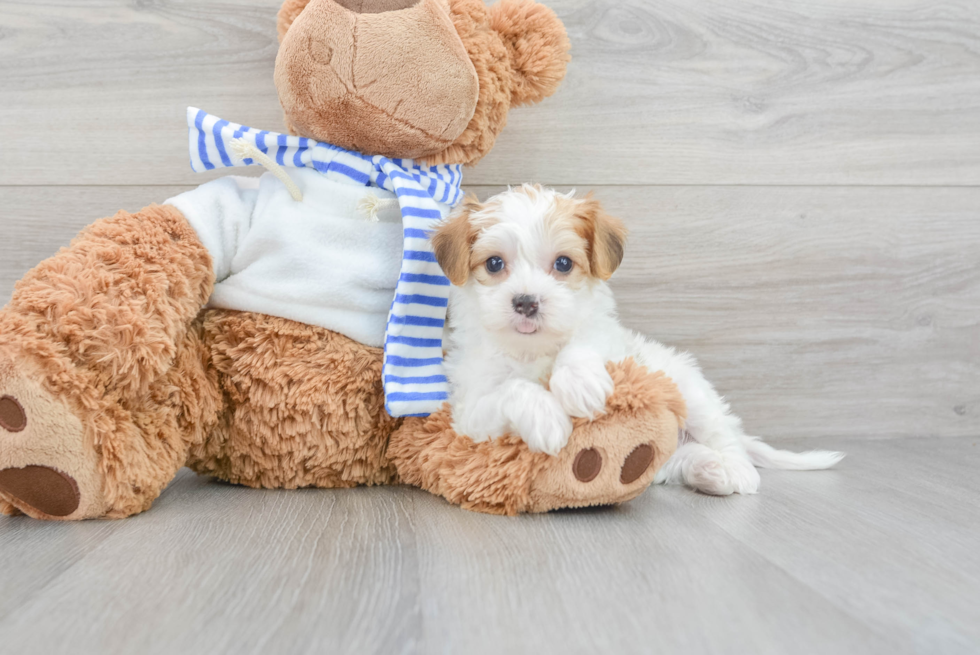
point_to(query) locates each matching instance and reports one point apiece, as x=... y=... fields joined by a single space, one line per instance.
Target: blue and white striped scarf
x=414 y=380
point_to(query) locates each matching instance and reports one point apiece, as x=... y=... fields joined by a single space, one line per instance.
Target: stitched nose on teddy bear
x=381 y=77
x=376 y=6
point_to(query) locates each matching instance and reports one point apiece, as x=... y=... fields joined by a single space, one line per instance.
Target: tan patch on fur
x=478 y=266
x=453 y=241
x=604 y=234
x=564 y=229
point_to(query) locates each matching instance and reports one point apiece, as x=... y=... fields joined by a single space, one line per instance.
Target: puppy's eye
x=495 y=264
x=563 y=264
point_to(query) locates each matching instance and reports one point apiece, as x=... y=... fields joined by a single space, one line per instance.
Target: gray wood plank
x=37 y=221
x=817 y=312
x=642 y=578
x=220 y=569
x=50 y=549
x=659 y=92
x=890 y=537
x=877 y=556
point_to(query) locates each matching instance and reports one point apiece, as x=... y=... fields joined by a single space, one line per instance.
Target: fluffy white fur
x=527 y=375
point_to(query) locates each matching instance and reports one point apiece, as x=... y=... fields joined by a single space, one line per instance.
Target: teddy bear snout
x=381 y=77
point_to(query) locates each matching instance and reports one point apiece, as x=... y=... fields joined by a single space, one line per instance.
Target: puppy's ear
x=606 y=236
x=453 y=240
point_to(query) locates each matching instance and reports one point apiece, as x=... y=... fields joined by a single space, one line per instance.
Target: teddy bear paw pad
x=637 y=463
x=41 y=488
x=605 y=463
x=13 y=418
x=587 y=465
x=48 y=467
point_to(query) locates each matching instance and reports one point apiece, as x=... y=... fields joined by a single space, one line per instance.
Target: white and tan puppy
x=532 y=323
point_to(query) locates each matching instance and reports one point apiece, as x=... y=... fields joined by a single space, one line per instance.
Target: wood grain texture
x=241 y=572
x=846 y=307
x=659 y=92
x=816 y=311
x=877 y=556
x=900 y=517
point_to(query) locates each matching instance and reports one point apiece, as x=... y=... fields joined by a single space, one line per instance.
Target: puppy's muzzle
x=525 y=305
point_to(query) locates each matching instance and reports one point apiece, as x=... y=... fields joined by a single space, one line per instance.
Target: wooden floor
x=880 y=556
x=802 y=184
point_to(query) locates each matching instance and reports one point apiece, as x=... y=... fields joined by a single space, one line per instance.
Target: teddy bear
x=178 y=336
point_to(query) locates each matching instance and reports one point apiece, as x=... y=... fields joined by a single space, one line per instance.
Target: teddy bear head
x=431 y=80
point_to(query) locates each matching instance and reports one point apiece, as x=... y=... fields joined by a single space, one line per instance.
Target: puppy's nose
x=525 y=304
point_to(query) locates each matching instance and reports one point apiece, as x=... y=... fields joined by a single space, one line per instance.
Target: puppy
x=532 y=323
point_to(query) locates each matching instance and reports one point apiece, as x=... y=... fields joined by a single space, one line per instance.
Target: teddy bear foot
x=609 y=460
x=590 y=474
x=614 y=458
x=45 y=470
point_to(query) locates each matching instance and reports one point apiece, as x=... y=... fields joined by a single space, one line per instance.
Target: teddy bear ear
x=287 y=14
x=538 y=46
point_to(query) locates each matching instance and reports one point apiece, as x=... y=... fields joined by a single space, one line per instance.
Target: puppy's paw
x=581 y=386
x=542 y=423
x=743 y=475
x=722 y=474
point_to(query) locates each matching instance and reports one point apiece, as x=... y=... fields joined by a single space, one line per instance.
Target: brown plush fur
x=252 y=399
x=397 y=83
x=305 y=406
x=450 y=76
x=537 y=45
x=644 y=409
x=104 y=325
x=288 y=12
x=514 y=66
x=256 y=400
x=503 y=477
x=124 y=378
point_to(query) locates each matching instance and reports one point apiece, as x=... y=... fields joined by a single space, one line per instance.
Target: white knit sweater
x=319 y=261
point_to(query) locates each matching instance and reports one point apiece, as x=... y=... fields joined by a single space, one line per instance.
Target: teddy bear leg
x=103 y=378
x=305 y=406
x=606 y=461
x=616 y=457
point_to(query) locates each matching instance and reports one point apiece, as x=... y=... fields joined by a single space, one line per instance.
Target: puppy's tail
x=765 y=456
